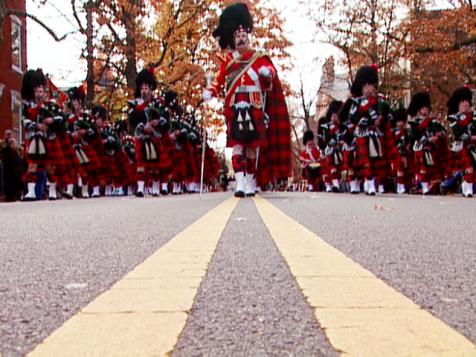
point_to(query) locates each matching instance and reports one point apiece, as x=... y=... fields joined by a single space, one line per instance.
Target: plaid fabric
x=348 y=159
x=147 y=168
x=379 y=169
x=179 y=166
x=191 y=165
x=212 y=165
x=275 y=157
x=123 y=168
x=109 y=168
x=427 y=173
x=259 y=127
x=361 y=152
x=462 y=160
x=54 y=154
x=68 y=171
x=94 y=165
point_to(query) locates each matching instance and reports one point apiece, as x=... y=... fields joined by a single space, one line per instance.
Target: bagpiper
x=255 y=110
x=462 y=119
x=43 y=147
x=144 y=117
x=428 y=138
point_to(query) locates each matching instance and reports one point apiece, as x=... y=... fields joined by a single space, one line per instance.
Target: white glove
x=264 y=71
x=207 y=95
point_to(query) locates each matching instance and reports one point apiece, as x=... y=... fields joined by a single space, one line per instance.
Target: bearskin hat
x=99 y=111
x=458 y=96
x=419 y=100
x=365 y=75
x=76 y=93
x=145 y=76
x=308 y=136
x=31 y=80
x=400 y=114
x=334 y=108
x=231 y=19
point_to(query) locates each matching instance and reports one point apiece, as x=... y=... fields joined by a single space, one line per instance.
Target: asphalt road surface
x=58 y=257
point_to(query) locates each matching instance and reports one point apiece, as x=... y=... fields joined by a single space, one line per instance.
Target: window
x=16 y=116
x=16 y=44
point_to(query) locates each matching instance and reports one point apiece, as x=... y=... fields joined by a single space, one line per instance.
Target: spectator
x=13 y=170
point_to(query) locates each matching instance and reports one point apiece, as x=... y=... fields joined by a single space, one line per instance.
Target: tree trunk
x=131 y=61
x=90 y=53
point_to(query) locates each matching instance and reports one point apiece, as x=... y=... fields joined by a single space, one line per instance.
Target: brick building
x=13 y=63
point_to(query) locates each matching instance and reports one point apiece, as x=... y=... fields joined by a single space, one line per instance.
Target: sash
x=238 y=74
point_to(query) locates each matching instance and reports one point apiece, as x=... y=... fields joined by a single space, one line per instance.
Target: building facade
x=13 y=63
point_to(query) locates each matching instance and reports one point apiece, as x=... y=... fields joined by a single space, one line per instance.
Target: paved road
x=249 y=301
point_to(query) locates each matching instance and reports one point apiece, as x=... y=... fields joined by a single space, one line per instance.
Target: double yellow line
x=360 y=314
x=144 y=313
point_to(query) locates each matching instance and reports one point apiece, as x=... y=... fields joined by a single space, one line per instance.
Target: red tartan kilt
x=431 y=172
x=325 y=165
x=399 y=164
x=191 y=165
x=462 y=160
x=123 y=167
x=179 y=166
x=163 y=162
x=169 y=148
x=94 y=164
x=131 y=173
x=348 y=160
x=257 y=115
x=54 y=153
x=362 y=152
x=109 y=167
x=68 y=151
x=380 y=168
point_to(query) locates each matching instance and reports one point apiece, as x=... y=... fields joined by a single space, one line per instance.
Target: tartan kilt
x=463 y=160
x=179 y=166
x=69 y=169
x=162 y=162
x=401 y=164
x=212 y=166
x=109 y=167
x=54 y=153
x=325 y=166
x=191 y=165
x=169 y=150
x=379 y=168
x=258 y=117
x=429 y=173
x=94 y=164
x=123 y=167
x=444 y=159
x=348 y=160
x=362 y=152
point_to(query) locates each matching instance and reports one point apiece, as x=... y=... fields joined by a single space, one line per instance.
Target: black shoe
x=67 y=196
x=239 y=194
x=335 y=189
x=251 y=194
x=29 y=199
x=52 y=198
x=163 y=192
x=139 y=194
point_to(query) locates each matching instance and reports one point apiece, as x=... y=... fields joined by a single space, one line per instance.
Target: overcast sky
x=62 y=62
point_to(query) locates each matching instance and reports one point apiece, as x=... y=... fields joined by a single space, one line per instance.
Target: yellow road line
x=360 y=314
x=144 y=313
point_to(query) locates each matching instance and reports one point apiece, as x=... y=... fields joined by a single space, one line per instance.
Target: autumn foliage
x=416 y=45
